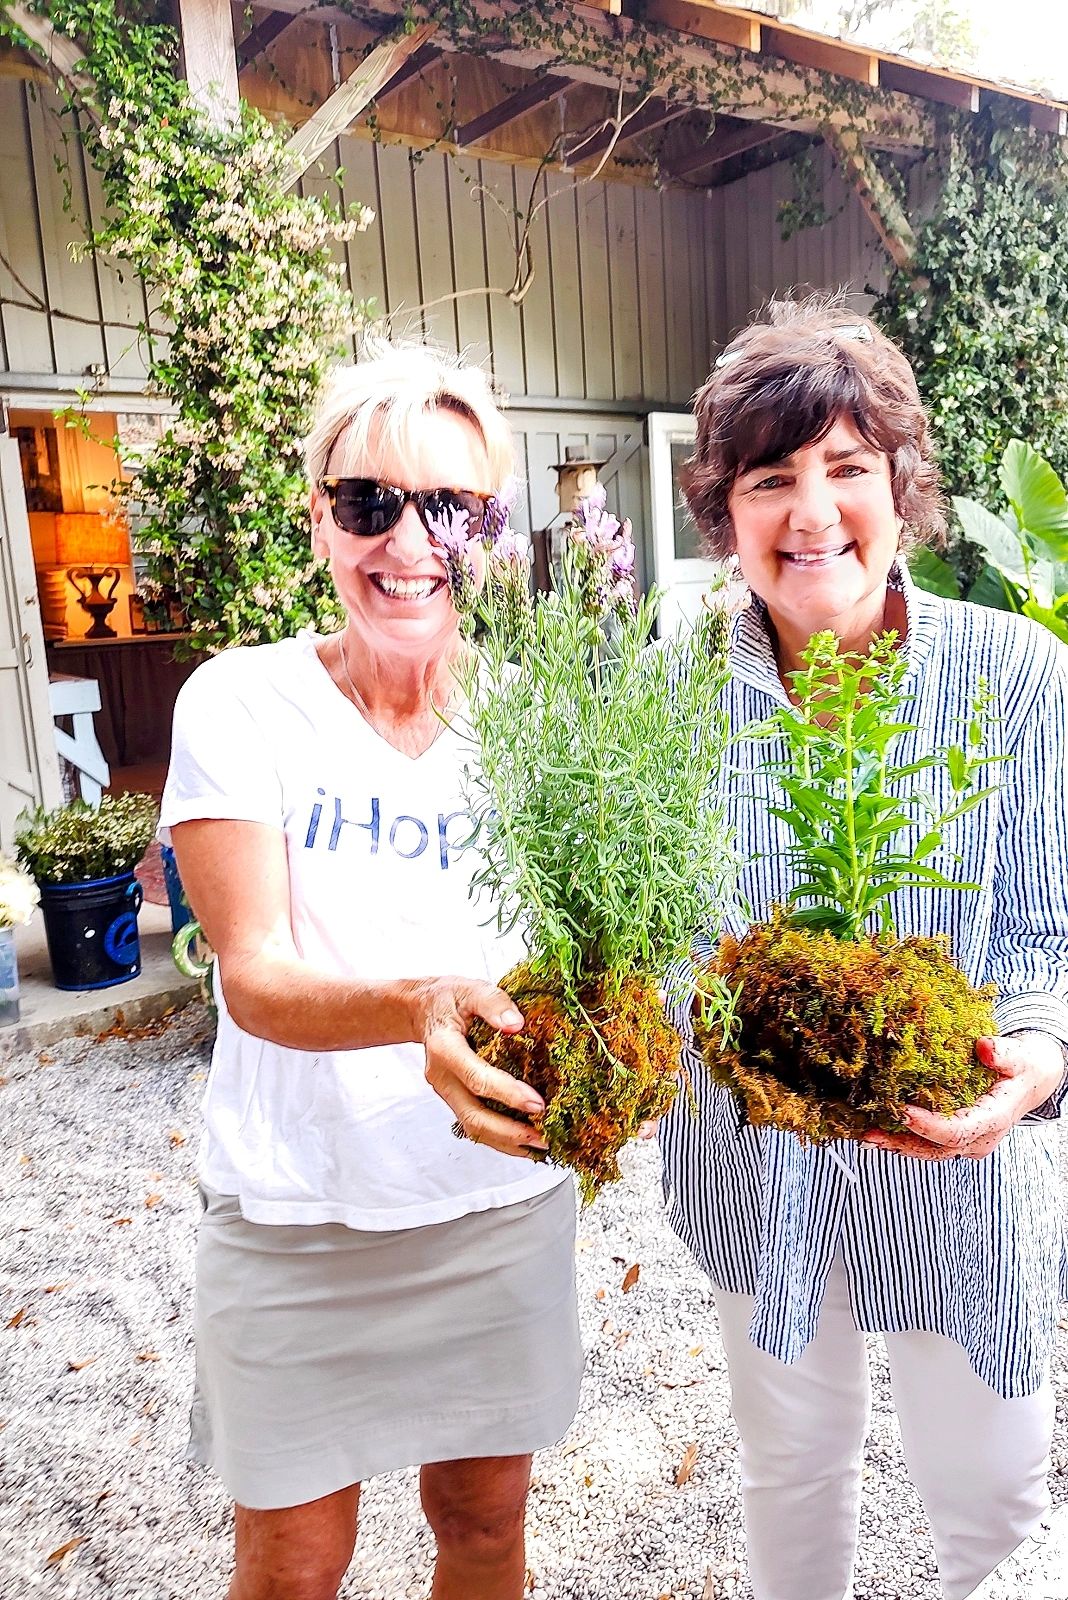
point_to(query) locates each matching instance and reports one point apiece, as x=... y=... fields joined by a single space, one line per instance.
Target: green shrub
x=74 y=843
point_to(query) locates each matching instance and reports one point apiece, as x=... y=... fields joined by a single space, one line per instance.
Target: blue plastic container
x=180 y=912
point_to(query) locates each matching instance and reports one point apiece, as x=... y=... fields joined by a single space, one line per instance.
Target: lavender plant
x=596 y=755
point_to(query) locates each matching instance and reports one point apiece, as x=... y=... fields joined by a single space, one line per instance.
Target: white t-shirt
x=380 y=863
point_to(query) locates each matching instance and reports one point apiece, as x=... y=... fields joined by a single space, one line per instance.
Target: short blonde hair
x=380 y=402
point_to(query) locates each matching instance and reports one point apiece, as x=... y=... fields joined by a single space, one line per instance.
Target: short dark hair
x=782 y=384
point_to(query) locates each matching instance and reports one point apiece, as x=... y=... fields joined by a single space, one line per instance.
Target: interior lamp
x=93 y=548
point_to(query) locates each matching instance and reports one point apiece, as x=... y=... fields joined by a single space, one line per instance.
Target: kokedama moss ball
x=593 y=1104
x=833 y=1037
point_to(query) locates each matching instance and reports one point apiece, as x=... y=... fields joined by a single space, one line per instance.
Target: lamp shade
x=91 y=539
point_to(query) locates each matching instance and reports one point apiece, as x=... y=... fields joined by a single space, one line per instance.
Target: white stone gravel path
x=98 y=1208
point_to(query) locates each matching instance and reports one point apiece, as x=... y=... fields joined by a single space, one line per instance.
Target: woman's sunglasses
x=365 y=507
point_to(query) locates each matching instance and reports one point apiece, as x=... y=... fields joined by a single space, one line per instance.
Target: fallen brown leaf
x=152 y=1200
x=13 y=1322
x=630 y=1277
x=623 y=1337
x=687 y=1464
x=176 y=1137
x=709 y=1590
x=120 y=1222
x=696 y=1349
x=54 y=1288
x=64 y=1550
x=45 y=1057
x=87 y=1361
x=147 y=1355
x=598 y=1294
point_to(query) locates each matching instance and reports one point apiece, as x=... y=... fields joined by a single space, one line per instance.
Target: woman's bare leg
x=476 y=1509
x=296 y=1553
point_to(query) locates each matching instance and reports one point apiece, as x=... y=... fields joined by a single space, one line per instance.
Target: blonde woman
x=372 y=1292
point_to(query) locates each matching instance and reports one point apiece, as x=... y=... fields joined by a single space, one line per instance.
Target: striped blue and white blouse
x=970 y=1249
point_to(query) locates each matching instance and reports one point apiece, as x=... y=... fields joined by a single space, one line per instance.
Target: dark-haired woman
x=813 y=470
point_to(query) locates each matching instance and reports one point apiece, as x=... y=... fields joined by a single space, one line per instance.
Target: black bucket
x=91 y=930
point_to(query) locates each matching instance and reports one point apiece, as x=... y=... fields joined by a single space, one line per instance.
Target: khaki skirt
x=326 y=1355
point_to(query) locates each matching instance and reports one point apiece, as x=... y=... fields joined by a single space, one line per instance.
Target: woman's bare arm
x=236 y=877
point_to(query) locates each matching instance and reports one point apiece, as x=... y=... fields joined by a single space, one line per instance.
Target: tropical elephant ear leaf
x=930 y=572
x=1037 y=496
x=1001 y=546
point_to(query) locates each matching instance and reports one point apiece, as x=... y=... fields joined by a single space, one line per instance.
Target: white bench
x=79 y=699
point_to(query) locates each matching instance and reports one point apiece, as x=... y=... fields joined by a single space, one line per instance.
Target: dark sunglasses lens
x=366 y=508
x=442 y=504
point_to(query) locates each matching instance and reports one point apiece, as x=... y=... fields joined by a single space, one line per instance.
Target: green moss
x=833 y=1038
x=598 y=1087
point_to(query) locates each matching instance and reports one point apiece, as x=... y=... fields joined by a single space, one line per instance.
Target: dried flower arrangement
x=837 y=1022
x=596 y=755
x=19 y=895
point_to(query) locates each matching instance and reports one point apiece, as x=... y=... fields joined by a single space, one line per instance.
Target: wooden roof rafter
x=590 y=45
x=539 y=92
x=261 y=36
x=656 y=114
x=720 y=147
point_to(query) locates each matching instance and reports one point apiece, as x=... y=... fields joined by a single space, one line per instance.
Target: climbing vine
x=239 y=275
x=983 y=311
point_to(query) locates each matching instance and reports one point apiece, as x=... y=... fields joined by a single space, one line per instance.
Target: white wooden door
x=541 y=440
x=29 y=768
x=678 y=566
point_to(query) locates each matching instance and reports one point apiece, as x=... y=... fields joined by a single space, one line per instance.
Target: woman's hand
x=1030 y=1067
x=462 y=1079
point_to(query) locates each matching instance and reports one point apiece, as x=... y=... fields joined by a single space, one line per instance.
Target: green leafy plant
x=1025 y=546
x=596 y=752
x=845 y=807
x=75 y=843
x=982 y=309
x=837 y=1022
x=248 y=307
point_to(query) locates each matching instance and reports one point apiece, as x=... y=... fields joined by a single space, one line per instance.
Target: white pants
x=979 y=1462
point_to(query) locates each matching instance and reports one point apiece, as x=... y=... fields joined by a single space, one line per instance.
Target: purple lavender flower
x=449 y=531
x=450 y=535
x=498 y=511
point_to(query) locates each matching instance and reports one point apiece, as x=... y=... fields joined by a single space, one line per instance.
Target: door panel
x=29 y=768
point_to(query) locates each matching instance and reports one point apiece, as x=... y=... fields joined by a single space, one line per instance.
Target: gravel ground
x=98 y=1204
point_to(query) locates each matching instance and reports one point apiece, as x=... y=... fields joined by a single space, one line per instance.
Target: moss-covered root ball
x=598 y=1087
x=833 y=1038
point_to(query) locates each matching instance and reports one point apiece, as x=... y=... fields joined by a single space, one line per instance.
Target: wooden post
x=875 y=194
x=210 y=56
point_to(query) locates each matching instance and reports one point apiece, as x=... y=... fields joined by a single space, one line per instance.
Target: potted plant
x=82 y=860
x=18 y=897
x=595 y=757
x=837 y=1022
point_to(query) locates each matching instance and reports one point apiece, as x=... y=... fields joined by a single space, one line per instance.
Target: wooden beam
x=875 y=194
x=1048 y=119
x=537 y=93
x=705 y=21
x=210 y=58
x=64 y=58
x=654 y=115
x=824 y=55
x=588 y=47
x=929 y=84
x=259 y=38
x=352 y=97
x=733 y=141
